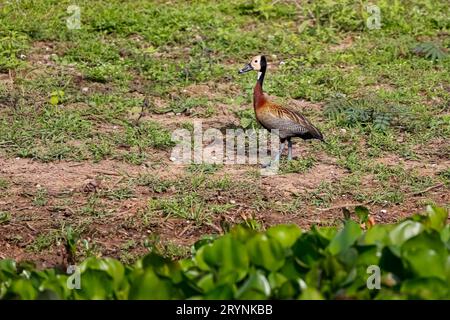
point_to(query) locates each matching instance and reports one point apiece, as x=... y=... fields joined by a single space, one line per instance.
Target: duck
x=270 y=115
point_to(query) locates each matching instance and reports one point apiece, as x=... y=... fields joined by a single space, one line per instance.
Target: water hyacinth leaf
x=426 y=288
x=311 y=294
x=286 y=234
x=149 y=286
x=7 y=266
x=345 y=238
x=307 y=250
x=378 y=234
x=276 y=279
x=112 y=267
x=390 y=261
x=289 y=289
x=229 y=255
x=426 y=255
x=325 y=234
x=56 y=287
x=265 y=252
x=223 y=292
x=404 y=231
x=206 y=283
x=445 y=235
x=23 y=289
x=256 y=287
x=368 y=255
x=95 y=285
x=162 y=266
x=200 y=260
x=436 y=217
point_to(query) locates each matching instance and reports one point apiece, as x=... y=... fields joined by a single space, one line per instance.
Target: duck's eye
x=256 y=61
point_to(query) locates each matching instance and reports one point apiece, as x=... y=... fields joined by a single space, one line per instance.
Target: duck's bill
x=245 y=69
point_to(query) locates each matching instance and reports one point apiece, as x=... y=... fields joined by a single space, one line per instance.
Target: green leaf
x=426 y=255
x=229 y=255
x=95 y=285
x=426 y=288
x=445 y=235
x=437 y=217
x=24 y=289
x=362 y=213
x=54 y=100
x=206 y=283
x=378 y=234
x=223 y=292
x=307 y=250
x=112 y=267
x=345 y=238
x=8 y=266
x=311 y=294
x=255 y=288
x=265 y=252
x=148 y=286
x=276 y=279
x=162 y=266
x=404 y=231
x=286 y=234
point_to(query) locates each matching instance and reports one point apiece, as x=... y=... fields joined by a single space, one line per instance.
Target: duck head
x=258 y=63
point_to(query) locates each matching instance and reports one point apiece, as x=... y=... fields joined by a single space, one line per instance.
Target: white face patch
x=259 y=74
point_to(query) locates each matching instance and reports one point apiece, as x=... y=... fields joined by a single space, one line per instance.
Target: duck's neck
x=258 y=93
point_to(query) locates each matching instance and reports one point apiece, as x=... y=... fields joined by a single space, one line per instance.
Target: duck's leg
x=277 y=157
x=289 y=149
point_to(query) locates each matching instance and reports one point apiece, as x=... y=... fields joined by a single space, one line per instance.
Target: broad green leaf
x=437 y=217
x=426 y=255
x=307 y=250
x=227 y=254
x=206 y=283
x=390 y=261
x=162 y=266
x=24 y=289
x=404 y=231
x=445 y=235
x=378 y=234
x=368 y=255
x=255 y=288
x=276 y=279
x=426 y=288
x=265 y=252
x=150 y=286
x=95 y=285
x=345 y=238
x=325 y=233
x=286 y=234
x=200 y=260
x=311 y=294
x=289 y=289
x=8 y=266
x=223 y=292
x=111 y=266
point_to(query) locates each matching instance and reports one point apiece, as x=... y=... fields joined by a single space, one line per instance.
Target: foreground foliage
x=281 y=263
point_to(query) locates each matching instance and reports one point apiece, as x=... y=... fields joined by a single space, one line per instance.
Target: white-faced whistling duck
x=273 y=116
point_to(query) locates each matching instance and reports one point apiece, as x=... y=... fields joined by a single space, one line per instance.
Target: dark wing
x=290 y=123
